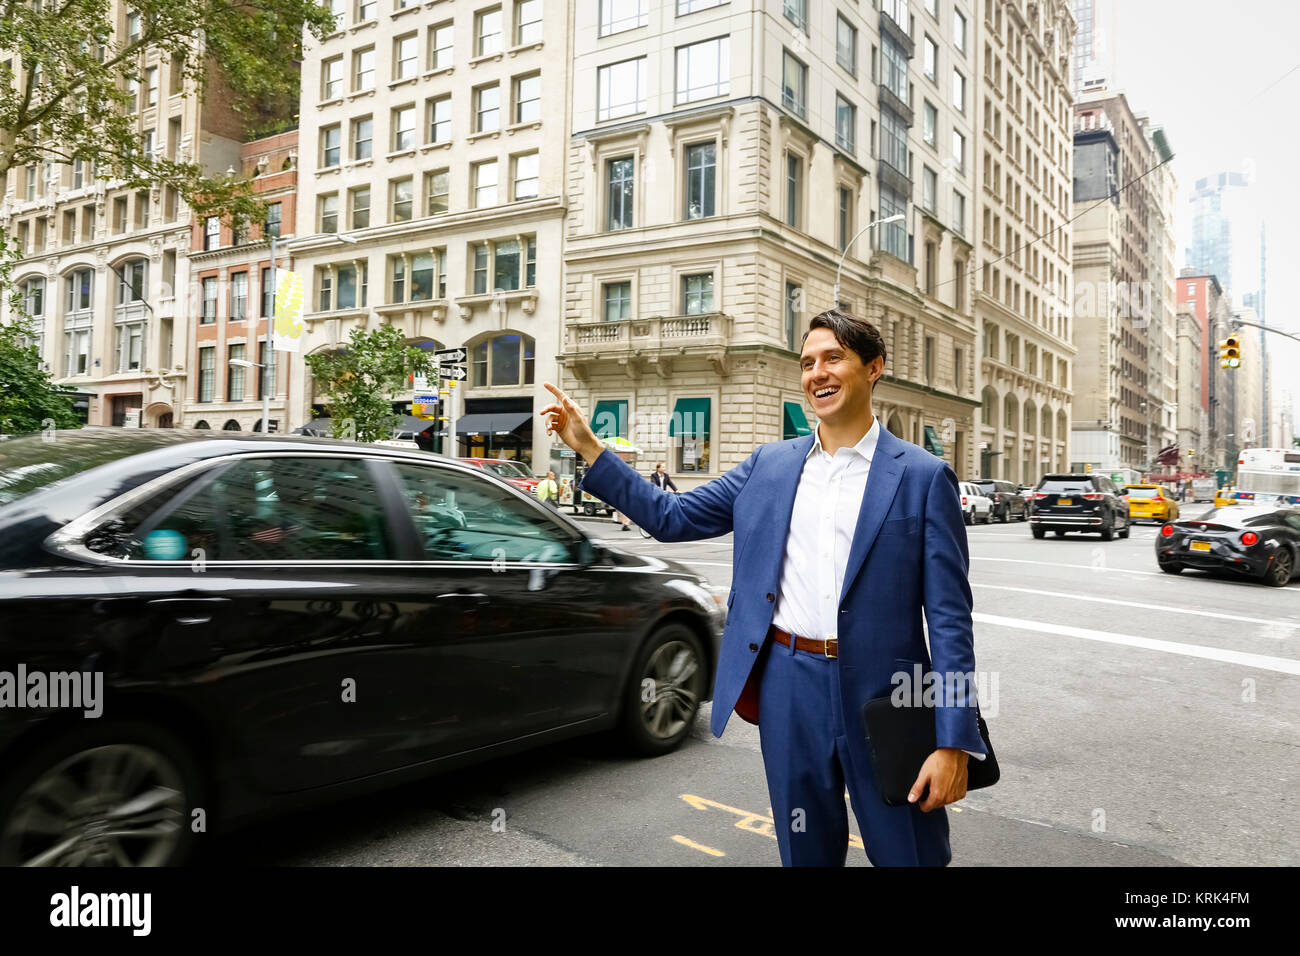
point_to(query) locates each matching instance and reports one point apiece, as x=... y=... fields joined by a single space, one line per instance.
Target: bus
x=1267 y=475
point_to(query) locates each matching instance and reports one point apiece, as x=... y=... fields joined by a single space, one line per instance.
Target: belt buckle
x=826 y=648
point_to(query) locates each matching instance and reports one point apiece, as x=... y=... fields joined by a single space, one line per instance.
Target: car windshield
x=1142 y=492
x=985 y=485
x=1065 y=486
x=503 y=468
x=1236 y=516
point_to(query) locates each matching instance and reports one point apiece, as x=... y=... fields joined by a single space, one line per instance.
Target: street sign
x=446 y=356
x=424 y=399
x=420 y=382
x=455 y=373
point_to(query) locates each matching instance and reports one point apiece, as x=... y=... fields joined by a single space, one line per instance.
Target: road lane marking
x=753 y=822
x=1149 y=607
x=698 y=846
x=1053 y=564
x=1283 y=665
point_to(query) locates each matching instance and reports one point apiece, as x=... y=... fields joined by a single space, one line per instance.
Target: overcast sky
x=1223 y=80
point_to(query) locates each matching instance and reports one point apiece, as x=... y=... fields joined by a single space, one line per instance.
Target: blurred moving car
x=1150 y=503
x=507 y=468
x=277 y=619
x=975 y=506
x=1254 y=541
x=1084 y=502
x=1007 y=502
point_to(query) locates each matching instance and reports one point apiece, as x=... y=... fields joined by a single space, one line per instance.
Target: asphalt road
x=1139 y=719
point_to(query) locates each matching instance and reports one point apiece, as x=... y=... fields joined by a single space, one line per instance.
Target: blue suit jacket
x=909 y=556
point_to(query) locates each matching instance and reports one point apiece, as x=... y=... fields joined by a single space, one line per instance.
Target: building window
x=959 y=151
x=528 y=21
x=268 y=295
x=846 y=124
x=958 y=213
x=689 y=429
x=893 y=141
x=528 y=98
x=618 y=301
x=329 y=213
x=440 y=119
x=366 y=10
x=793 y=302
x=363 y=69
x=928 y=360
x=209 y=301
x=621 y=89
x=846 y=218
x=274 y=213
x=621 y=189
x=406 y=56
x=895 y=78
x=526 y=176
x=796 y=11
x=403 y=128
x=488 y=32
x=487 y=108
x=403 y=194
x=895 y=233
x=958 y=30
x=703 y=70
x=959 y=91
x=505 y=360
x=930 y=59
x=151 y=86
x=437 y=187
x=360 y=207
x=793 y=190
x=929 y=189
x=238 y=296
x=207 y=374
x=266 y=374
x=441 y=45
x=485 y=184
x=701 y=172
x=846 y=44
x=362 y=137
x=794 y=84
x=331 y=78
x=697 y=294
x=930 y=127
x=619 y=15
x=425 y=269
x=329 y=145
x=235 y=374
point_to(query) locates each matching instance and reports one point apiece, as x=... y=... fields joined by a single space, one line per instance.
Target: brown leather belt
x=829 y=648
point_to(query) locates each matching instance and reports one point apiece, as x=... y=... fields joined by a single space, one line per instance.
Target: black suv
x=1064 y=503
x=1006 y=499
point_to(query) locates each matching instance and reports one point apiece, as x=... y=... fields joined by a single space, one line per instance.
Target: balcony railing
x=654 y=332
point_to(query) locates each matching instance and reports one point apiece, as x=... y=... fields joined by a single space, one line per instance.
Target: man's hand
x=566 y=418
x=944 y=772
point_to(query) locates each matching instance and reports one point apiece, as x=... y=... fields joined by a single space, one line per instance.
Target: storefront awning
x=491 y=423
x=796 y=422
x=609 y=420
x=932 y=443
x=690 y=418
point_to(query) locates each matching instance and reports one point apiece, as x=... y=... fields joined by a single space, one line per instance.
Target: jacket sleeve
x=703 y=512
x=948 y=607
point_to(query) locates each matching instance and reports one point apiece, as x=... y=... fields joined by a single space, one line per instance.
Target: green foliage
x=78 y=107
x=361 y=380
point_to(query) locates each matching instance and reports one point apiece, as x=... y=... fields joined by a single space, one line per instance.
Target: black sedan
x=269 y=619
x=1253 y=542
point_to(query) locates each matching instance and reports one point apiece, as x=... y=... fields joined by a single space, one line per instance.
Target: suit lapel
x=882 y=483
x=783 y=480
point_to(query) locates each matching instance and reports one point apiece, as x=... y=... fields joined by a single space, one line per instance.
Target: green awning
x=609 y=420
x=690 y=418
x=796 y=422
x=932 y=443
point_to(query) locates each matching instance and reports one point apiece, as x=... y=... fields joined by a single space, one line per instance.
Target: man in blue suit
x=842 y=540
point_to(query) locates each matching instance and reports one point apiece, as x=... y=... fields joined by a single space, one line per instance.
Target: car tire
x=1172 y=568
x=589 y=509
x=674 y=659
x=1060 y=533
x=161 y=772
x=1279 y=572
x=1006 y=514
x=988 y=517
x=1039 y=532
x=1124 y=533
x=966 y=518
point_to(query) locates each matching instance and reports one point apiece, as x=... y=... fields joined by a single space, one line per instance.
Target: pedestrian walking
x=660 y=478
x=846 y=541
x=548 y=491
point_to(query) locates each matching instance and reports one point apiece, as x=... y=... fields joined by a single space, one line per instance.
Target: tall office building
x=1162 y=323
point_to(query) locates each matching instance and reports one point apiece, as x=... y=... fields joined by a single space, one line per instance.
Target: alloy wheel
x=678 y=678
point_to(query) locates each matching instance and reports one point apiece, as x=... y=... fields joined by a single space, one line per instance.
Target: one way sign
x=455 y=373
x=450 y=356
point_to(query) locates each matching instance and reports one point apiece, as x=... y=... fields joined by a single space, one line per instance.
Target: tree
x=66 y=73
x=362 y=379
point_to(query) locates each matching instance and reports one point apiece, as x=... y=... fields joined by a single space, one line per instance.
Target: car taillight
x=1167 y=531
x=1157 y=498
x=1250 y=539
x=963 y=501
x=1040 y=494
x=1093 y=496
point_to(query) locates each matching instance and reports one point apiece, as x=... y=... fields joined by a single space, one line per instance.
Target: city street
x=1139 y=719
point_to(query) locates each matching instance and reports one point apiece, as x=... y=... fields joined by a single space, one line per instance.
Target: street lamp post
x=266 y=394
x=835 y=295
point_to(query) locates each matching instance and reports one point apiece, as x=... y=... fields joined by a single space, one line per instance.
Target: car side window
x=1293 y=521
x=460 y=517
x=280 y=508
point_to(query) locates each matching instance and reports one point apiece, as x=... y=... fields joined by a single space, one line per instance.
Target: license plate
x=1199 y=546
x=1065 y=501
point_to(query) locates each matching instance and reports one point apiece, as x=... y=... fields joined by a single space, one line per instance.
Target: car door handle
x=476 y=597
x=190 y=610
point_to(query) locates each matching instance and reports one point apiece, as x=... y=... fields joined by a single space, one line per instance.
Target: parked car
x=1084 y=502
x=279 y=619
x=975 y=506
x=1150 y=503
x=507 y=469
x=1252 y=541
x=1007 y=502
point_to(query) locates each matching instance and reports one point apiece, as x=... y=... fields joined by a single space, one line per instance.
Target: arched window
x=1010 y=412
x=1031 y=417
x=1047 y=423
x=503 y=360
x=230 y=426
x=989 y=415
x=201 y=424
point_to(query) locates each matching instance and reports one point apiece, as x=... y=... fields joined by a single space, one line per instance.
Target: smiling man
x=844 y=539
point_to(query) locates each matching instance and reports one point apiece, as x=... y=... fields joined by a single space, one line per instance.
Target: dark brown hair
x=852 y=333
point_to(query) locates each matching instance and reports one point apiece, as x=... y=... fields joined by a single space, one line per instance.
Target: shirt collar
x=866 y=446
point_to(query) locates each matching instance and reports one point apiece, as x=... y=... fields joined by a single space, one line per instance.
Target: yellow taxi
x=1150 y=503
x=1225 y=496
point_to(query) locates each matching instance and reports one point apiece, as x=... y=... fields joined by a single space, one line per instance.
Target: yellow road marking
x=753 y=822
x=698 y=846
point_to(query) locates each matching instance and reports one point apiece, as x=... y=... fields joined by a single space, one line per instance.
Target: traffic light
x=1230 y=352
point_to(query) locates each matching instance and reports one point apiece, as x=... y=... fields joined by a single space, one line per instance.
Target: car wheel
x=663 y=695
x=1039 y=532
x=1172 y=568
x=588 y=509
x=1279 y=572
x=120 y=794
x=1059 y=533
x=1006 y=514
x=1124 y=533
x=988 y=517
x=966 y=517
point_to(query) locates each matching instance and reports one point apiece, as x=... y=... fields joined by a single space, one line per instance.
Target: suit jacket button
x=753 y=647
x=771 y=596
